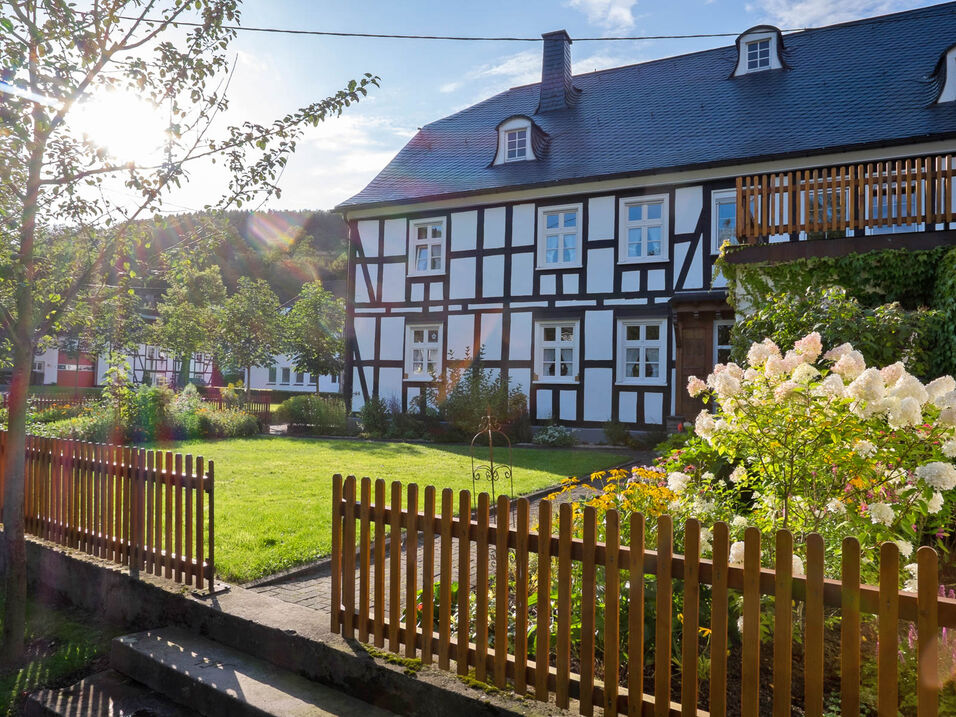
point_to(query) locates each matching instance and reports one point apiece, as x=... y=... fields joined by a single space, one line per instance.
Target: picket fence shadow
x=371 y=532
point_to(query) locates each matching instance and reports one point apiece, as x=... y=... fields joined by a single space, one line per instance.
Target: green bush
x=56 y=413
x=96 y=426
x=555 y=436
x=150 y=413
x=617 y=433
x=227 y=423
x=375 y=417
x=323 y=415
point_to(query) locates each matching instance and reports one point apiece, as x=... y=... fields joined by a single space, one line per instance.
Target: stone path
x=313 y=589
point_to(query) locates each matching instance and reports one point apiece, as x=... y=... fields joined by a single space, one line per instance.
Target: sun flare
x=127 y=127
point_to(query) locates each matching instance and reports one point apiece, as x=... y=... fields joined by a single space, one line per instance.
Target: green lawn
x=273 y=493
x=62 y=646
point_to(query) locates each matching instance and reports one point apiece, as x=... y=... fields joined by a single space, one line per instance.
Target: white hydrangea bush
x=821 y=442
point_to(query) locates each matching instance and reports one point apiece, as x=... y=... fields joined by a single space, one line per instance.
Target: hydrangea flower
x=796 y=565
x=937 y=474
x=677 y=482
x=737 y=553
x=695 y=386
x=864 y=448
x=810 y=346
x=881 y=514
x=935 y=503
x=738 y=474
x=850 y=365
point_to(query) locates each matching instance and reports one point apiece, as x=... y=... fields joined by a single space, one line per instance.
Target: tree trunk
x=248 y=383
x=12 y=544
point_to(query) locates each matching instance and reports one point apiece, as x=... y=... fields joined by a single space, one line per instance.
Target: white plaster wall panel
x=680 y=253
x=493 y=276
x=627 y=407
x=543 y=405
x=522 y=225
x=461 y=335
x=653 y=408
x=393 y=338
x=418 y=292
x=548 y=284
x=598 y=335
x=520 y=378
x=568 y=402
x=368 y=236
x=494 y=236
x=688 y=203
x=413 y=392
x=600 y=218
x=491 y=336
x=395 y=237
x=695 y=276
x=361 y=288
x=519 y=340
x=461 y=282
x=522 y=274
x=357 y=399
x=570 y=284
x=390 y=383
x=393 y=282
x=630 y=281
x=436 y=291
x=365 y=336
x=656 y=280
x=600 y=271
x=464 y=231
x=597 y=394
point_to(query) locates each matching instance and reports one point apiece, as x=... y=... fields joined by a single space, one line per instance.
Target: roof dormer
x=520 y=140
x=759 y=48
x=945 y=76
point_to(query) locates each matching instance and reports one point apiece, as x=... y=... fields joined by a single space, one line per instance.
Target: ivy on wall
x=915 y=280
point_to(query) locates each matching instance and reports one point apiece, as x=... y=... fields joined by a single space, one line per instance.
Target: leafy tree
x=251 y=327
x=314 y=332
x=69 y=207
x=189 y=314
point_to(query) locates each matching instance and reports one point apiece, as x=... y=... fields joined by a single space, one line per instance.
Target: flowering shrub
x=554 y=436
x=823 y=443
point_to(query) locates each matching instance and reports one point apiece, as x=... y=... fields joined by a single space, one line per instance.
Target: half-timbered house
x=567 y=229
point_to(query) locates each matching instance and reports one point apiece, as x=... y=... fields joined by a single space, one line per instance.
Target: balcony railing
x=896 y=195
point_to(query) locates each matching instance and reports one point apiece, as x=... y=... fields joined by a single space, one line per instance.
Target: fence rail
x=359 y=532
x=259 y=403
x=149 y=510
x=831 y=199
x=42 y=402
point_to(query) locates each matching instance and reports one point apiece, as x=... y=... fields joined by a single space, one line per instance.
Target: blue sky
x=422 y=81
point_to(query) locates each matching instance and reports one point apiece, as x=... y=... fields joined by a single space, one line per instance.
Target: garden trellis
x=367 y=603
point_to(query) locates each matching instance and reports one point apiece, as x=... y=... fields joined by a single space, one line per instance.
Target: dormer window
x=759 y=49
x=758 y=55
x=945 y=76
x=520 y=140
x=516 y=144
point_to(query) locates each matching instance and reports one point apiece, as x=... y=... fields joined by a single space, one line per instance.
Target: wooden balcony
x=908 y=195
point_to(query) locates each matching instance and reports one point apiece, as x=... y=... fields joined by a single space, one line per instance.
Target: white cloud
x=791 y=14
x=609 y=14
x=520 y=68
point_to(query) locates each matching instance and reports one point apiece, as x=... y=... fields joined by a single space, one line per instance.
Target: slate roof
x=867 y=82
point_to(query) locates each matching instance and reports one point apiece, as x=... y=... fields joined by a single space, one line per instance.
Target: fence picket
x=850 y=628
x=888 y=628
x=691 y=618
x=927 y=694
x=635 y=618
x=481 y=591
x=502 y=593
x=364 y=562
x=348 y=560
x=783 y=624
x=394 y=566
x=612 y=611
x=200 y=527
x=521 y=597
x=562 y=682
x=719 y=618
x=464 y=581
x=337 y=527
x=814 y=629
x=378 y=630
x=428 y=575
x=168 y=490
x=750 y=665
x=588 y=592
x=188 y=525
x=178 y=482
x=662 y=639
x=411 y=569
x=444 y=591
x=542 y=652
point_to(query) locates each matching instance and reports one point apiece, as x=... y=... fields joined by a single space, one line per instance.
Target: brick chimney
x=557 y=90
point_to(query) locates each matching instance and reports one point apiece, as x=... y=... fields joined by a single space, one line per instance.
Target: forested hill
x=286 y=248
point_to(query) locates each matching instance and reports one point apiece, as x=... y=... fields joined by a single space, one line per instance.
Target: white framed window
x=312 y=379
x=299 y=378
x=723 y=218
x=722 y=345
x=423 y=352
x=643 y=232
x=514 y=141
x=559 y=236
x=334 y=378
x=286 y=374
x=556 y=351
x=272 y=375
x=758 y=54
x=516 y=144
x=642 y=351
x=887 y=208
x=426 y=247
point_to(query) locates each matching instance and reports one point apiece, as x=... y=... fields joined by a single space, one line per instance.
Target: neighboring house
x=568 y=229
x=283 y=377
x=154 y=366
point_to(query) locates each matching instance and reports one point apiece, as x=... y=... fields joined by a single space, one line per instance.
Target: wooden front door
x=694 y=358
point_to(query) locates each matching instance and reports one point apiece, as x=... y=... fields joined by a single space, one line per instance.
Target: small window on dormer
x=758 y=54
x=516 y=144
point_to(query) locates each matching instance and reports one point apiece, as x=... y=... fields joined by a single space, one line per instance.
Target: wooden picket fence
x=259 y=403
x=150 y=510
x=830 y=199
x=43 y=402
x=363 y=528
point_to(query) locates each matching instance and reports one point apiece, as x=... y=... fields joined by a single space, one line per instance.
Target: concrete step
x=105 y=694
x=218 y=681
